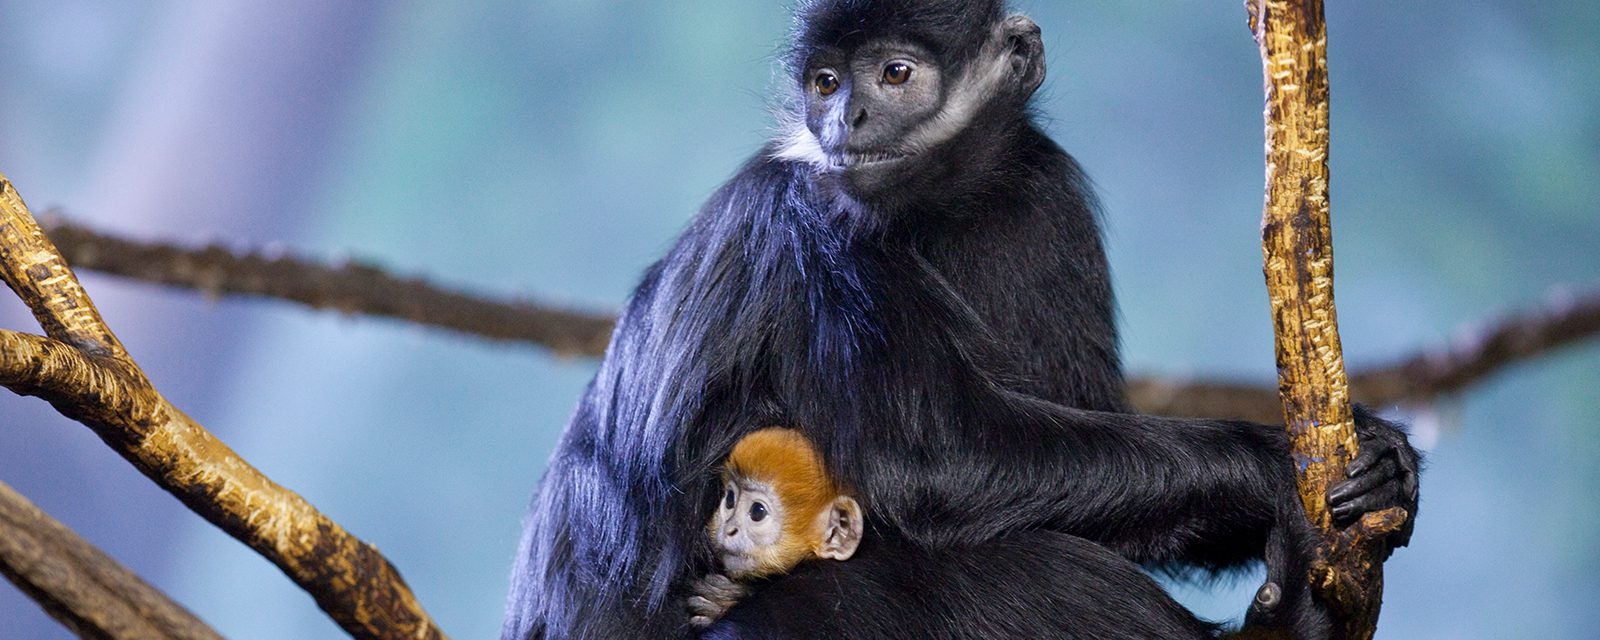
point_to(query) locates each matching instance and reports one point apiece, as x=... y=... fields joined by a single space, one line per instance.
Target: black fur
x=844 y=24
x=1077 y=590
x=950 y=349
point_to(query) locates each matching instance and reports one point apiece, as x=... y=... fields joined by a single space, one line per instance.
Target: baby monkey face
x=748 y=527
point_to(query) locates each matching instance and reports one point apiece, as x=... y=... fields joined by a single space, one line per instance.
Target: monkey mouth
x=864 y=160
x=735 y=564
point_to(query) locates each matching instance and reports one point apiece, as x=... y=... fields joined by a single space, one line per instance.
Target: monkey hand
x=713 y=596
x=1383 y=475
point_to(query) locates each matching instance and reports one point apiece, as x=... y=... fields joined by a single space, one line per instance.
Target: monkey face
x=748 y=529
x=894 y=121
x=863 y=107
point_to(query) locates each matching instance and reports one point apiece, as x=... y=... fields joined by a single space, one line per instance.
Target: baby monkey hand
x=713 y=596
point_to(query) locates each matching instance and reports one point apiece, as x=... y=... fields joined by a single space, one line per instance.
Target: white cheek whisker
x=973 y=90
x=796 y=143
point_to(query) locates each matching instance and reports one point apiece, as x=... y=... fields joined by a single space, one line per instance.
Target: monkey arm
x=1208 y=492
x=1157 y=490
x=1160 y=490
x=930 y=427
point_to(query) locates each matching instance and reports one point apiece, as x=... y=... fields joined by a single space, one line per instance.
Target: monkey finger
x=1374 y=477
x=1385 y=468
x=1365 y=503
x=701 y=622
x=721 y=586
x=717 y=595
x=1371 y=453
x=705 y=607
x=1354 y=506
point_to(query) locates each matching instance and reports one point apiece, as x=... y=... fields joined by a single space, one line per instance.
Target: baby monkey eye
x=758 y=512
x=897 y=73
x=827 y=83
x=727 y=500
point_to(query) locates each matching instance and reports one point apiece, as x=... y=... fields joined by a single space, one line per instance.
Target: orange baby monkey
x=779 y=507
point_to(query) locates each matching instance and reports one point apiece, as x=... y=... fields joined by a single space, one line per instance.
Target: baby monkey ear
x=841 y=533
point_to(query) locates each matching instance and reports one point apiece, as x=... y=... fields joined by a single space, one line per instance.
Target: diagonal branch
x=81 y=369
x=79 y=585
x=1483 y=351
x=1480 y=353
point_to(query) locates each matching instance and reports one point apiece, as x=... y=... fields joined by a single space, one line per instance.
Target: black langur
x=911 y=275
x=779 y=508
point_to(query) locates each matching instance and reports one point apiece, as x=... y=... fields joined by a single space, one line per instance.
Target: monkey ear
x=1026 y=48
x=842 y=532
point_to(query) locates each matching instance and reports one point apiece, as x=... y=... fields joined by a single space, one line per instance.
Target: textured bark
x=81 y=369
x=82 y=587
x=1297 y=247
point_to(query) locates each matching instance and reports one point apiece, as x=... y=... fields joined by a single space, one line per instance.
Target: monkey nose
x=858 y=117
x=731 y=532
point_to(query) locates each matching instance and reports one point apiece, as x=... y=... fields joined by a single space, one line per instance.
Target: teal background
x=555 y=148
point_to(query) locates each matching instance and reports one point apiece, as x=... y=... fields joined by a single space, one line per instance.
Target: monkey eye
x=827 y=83
x=897 y=73
x=758 y=512
x=727 y=500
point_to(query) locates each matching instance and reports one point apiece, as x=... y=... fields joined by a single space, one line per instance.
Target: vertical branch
x=1297 y=247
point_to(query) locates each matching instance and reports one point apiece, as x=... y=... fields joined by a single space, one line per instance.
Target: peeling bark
x=1297 y=247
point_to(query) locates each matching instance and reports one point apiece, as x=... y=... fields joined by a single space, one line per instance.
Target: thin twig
x=82 y=587
x=81 y=369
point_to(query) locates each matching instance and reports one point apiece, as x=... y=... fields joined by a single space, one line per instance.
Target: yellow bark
x=1297 y=247
x=81 y=369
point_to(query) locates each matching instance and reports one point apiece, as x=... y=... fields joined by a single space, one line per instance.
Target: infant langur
x=778 y=507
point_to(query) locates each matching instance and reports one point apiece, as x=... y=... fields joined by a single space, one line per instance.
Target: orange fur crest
x=786 y=460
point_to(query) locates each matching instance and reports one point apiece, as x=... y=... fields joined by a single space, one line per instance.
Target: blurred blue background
x=555 y=148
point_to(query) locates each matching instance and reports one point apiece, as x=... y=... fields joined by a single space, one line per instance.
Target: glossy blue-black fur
x=951 y=350
x=1029 y=584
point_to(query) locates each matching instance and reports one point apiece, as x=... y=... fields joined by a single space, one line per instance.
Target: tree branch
x=368 y=290
x=1485 y=350
x=1481 y=352
x=81 y=369
x=79 y=585
x=351 y=287
x=1297 y=247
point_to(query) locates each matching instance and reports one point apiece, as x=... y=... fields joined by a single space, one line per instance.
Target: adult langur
x=912 y=276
